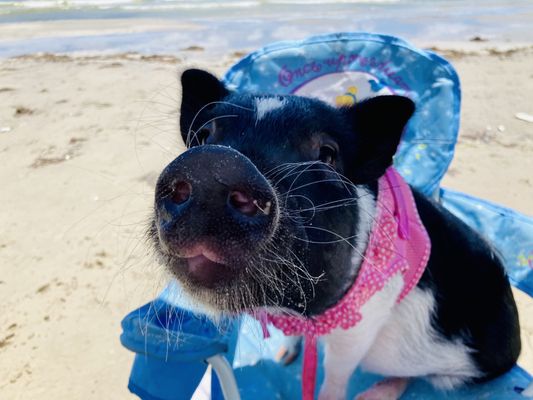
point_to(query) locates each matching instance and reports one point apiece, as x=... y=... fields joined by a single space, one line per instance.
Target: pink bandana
x=398 y=243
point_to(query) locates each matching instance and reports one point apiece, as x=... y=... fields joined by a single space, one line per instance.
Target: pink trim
x=309 y=367
x=262 y=317
x=401 y=212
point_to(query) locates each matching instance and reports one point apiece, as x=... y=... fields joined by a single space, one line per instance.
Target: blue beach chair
x=174 y=346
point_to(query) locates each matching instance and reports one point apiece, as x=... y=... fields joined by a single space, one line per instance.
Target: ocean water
x=219 y=26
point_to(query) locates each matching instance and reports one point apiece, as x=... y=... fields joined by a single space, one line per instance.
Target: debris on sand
x=478 y=39
x=21 y=110
x=194 y=48
x=44 y=161
x=524 y=117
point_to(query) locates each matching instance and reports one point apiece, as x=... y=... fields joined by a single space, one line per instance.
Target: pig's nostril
x=181 y=192
x=243 y=202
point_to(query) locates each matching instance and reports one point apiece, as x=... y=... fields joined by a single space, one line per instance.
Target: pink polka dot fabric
x=398 y=243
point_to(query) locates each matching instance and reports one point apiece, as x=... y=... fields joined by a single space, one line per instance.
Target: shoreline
x=450 y=50
x=198 y=39
x=222 y=30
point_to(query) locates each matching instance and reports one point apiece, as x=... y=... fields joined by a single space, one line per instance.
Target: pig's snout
x=213 y=201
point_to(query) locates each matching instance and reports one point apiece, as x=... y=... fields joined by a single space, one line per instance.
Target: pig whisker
x=289 y=171
x=293 y=172
x=346 y=182
x=259 y=283
x=173 y=141
x=263 y=278
x=157 y=124
x=293 y=264
x=283 y=166
x=277 y=259
x=290 y=167
x=341 y=178
x=296 y=166
x=320 y=164
x=340 y=240
x=246 y=296
x=208 y=105
x=303 y=171
x=342 y=202
x=294 y=278
x=159 y=119
x=311 y=183
x=299 y=266
x=331 y=205
x=265 y=210
x=313 y=279
x=205 y=123
x=312 y=208
x=367 y=212
x=162 y=103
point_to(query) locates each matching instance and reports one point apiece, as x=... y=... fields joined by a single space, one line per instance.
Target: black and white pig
x=271 y=207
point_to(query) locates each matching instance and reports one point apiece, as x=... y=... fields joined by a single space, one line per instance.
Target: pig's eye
x=203 y=134
x=327 y=154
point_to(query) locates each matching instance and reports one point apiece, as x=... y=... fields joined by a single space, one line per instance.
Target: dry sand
x=81 y=144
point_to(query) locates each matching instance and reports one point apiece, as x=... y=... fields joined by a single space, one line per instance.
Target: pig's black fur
x=472 y=294
x=474 y=301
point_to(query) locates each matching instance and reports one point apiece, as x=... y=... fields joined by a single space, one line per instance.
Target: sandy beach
x=82 y=140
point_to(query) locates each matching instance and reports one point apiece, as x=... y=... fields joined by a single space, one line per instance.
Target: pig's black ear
x=378 y=124
x=200 y=90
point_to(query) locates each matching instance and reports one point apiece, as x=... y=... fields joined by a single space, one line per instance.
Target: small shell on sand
x=524 y=116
